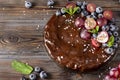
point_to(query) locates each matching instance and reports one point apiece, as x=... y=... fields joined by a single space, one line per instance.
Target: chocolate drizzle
x=63 y=43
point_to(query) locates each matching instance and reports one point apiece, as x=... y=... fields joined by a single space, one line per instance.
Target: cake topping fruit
x=85 y=34
x=37 y=69
x=102 y=37
x=90 y=23
x=28 y=4
x=99 y=10
x=43 y=75
x=79 y=22
x=32 y=76
x=101 y=21
x=50 y=3
x=109 y=50
x=70 y=5
x=91 y=7
x=108 y=14
x=95 y=43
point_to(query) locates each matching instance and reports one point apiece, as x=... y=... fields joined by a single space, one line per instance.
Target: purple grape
x=85 y=34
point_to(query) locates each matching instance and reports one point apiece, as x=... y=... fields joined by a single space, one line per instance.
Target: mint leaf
x=97 y=28
x=71 y=10
x=111 y=41
x=22 y=67
x=94 y=31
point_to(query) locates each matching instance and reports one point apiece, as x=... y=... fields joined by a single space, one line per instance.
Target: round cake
x=81 y=36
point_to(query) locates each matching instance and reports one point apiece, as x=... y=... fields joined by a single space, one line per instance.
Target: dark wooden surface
x=21 y=38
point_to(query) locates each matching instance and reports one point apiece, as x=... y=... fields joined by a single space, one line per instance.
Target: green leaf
x=94 y=31
x=111 y=41
x=71 y=10
x=97 y=28
x=21 y=67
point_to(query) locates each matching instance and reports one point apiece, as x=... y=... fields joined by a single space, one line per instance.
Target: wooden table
x=21 y=38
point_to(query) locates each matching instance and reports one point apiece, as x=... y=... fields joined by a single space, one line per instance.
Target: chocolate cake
x=80 y=46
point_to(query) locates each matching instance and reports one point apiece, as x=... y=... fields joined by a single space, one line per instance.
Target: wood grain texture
x=21 y=38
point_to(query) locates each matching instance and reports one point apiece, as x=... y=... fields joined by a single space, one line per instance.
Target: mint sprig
x=21 y=67
x=111 y=41
x=71 y=10
x=94 y=31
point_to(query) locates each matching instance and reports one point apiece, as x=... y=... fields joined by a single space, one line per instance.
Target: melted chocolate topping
x=63 y=43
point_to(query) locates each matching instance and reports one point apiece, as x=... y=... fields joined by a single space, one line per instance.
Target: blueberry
x=28 y=4
x=43 y=75
x=99 y=10
x=23 y=78
x=92 y=16
x=94 y=13
x=83 y=7
x=86 y=13
x=32 y=76
x=63 y=10
x=112 y=27
x=110 y=33
x=50 y=3
x=104 y=45
x=78 y=3
x=115 y=33
x=109 y=50
x=84 y=3
x=100 y=15
x=88 y=16
x=117 y=39
x=94 y=35
x=105 y=28
x=79 y=10
x=115 y=45
x=58 y=13
x=37 y=69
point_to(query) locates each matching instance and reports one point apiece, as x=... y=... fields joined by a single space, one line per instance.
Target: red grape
x=79 y=22
x=85 y=34
x=91 y=7
x=95 y=43
x=70 y=5
x=90 y=23
x=101 y=21
x=108 y=14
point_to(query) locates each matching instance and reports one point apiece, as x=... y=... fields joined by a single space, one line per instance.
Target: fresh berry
x=58 y=13
x=94 y=13
x=104 y=45
x=114 y=73
x=115 y=33
x=101 y=21
x=83 y=7
x=78 y=3
x=94 y=35
x=107 y=77
x=105 y=28
x=85 y=34
x=70 y=5
x=117 y=39
x=91 y=7
x=37 y=69
x=79 y=22
x=108 y=14
x=63 y=10
x=32 y=76
x=84 y=3
x=119 y=67
x=50 y=3
x=100 y=15
x=102 y=37
x=94 y=17
x=110 y=33
x=109 y=50
x=99 y=10
x=115 y=45
x=23 y=78
x=95 y=43
x=90 y=23
x=28 y=4
x=112 y=27
x=43 y=75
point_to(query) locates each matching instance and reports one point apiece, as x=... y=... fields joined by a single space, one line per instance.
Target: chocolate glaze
x=63 y=43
